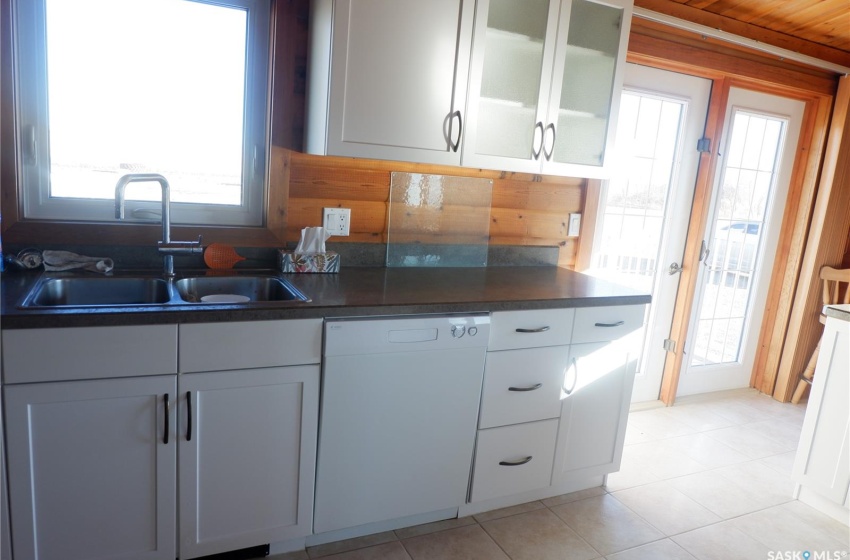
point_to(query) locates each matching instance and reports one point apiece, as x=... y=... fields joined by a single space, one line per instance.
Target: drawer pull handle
x=515 y=463
x=165 y=432
x=523 y=389
x=538 y=330
x=617 y=324
x=189 y=421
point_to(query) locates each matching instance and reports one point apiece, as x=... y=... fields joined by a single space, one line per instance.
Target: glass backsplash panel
x=438 y=220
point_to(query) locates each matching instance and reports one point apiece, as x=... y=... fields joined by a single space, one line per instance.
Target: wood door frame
x=677 y=51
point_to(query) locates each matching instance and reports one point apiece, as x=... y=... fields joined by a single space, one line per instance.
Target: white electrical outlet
x=337 y=221
x=575 y=225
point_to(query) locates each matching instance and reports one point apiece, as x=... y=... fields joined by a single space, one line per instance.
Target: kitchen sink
x=97 y=292
x=236 y=289
x=67 y=291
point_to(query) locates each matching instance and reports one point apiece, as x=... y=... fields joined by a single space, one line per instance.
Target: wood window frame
x=288 y=50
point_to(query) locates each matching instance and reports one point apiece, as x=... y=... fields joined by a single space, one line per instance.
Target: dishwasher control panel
x=426 y=332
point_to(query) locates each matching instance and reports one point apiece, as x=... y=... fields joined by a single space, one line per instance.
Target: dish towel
x=66 y=260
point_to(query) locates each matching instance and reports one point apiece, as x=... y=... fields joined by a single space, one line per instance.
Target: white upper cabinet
x=388 y=78
x=545 y=78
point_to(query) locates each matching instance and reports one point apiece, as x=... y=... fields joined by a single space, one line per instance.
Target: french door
x=646 y=205
x=760 y=138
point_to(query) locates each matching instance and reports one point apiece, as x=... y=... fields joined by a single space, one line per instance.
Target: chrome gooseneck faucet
x=166 y=247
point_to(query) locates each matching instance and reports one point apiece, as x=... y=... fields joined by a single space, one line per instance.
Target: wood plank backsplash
x=527 y=209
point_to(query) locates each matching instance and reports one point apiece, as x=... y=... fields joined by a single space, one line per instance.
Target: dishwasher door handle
x=537 y=330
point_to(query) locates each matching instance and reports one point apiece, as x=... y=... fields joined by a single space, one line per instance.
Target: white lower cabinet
x=247 y=442
x=594 y=411
x=92 y=469
x=94 y=456
x=513 y=459
x=822 y=463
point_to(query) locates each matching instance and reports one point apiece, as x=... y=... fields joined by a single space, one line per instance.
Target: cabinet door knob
x=515 y=463
x=523 y=389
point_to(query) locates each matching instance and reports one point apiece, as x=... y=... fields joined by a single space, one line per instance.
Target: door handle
x=165 y=432
x=674 y=269
x=515 y=463
x=704 y=251
x=548 y=154
x=456 y=145
x=189 y=412
x=524 y=389
x=536 y=153
x=531 y=331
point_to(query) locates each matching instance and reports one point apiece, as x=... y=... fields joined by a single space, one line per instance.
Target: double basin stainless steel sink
x=62 y=291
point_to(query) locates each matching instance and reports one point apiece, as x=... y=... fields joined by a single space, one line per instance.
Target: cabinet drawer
x=65 y=354
x=600 y=324
x=522 y=385
x=528 y=451
x=249 y=344
x=530 y=329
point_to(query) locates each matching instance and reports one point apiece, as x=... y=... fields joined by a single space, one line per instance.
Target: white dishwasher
x=400 y=401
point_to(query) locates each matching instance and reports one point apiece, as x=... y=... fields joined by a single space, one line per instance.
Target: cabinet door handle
x=456 y=145
x=523 y=389
x=617 y=324
x=189 y=411
x=548 y=155
x=575 y=378
x=531 y=331
x=165 y=432
x=515 y=463
x=536 y=153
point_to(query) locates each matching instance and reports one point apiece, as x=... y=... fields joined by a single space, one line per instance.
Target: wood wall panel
x=526 y=209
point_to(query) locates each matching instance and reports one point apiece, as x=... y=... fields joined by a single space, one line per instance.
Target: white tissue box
x=290 y=261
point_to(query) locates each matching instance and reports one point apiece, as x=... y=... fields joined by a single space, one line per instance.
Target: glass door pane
x=593 y=41
x=747 y=179
x=511 y=77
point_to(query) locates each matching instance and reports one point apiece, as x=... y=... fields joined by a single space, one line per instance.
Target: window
x=176 y=87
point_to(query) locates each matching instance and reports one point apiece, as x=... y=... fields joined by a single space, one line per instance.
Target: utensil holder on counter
x=290 y=261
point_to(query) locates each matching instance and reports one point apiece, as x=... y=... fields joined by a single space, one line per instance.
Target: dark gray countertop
x=352 y=292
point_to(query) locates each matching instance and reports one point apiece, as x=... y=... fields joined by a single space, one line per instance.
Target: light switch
x=574 y=225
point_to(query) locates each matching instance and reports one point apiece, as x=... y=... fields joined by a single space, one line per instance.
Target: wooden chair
x=836 y=289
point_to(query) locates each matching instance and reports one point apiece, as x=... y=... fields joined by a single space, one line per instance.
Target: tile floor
x=706 y=479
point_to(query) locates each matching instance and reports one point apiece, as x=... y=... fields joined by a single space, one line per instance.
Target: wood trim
x=699 y=218
x=825 y=246
x=743 y=29
x=789 y=255
x=653 y=44
x=589 y=219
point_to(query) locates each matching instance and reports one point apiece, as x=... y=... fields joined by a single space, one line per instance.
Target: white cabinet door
x=247 y=457
x=398 y=79
x=510 y=74
x=92 y=469
x=823 y=457
x=545 y=79
x=594 y=411
x=588 y=76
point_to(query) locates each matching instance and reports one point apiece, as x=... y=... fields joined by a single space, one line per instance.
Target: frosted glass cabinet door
x=592 y=44
x=398 y=79
x=92 y=469
x=510 y=75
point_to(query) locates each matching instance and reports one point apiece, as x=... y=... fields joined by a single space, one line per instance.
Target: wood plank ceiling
x=817 y=28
